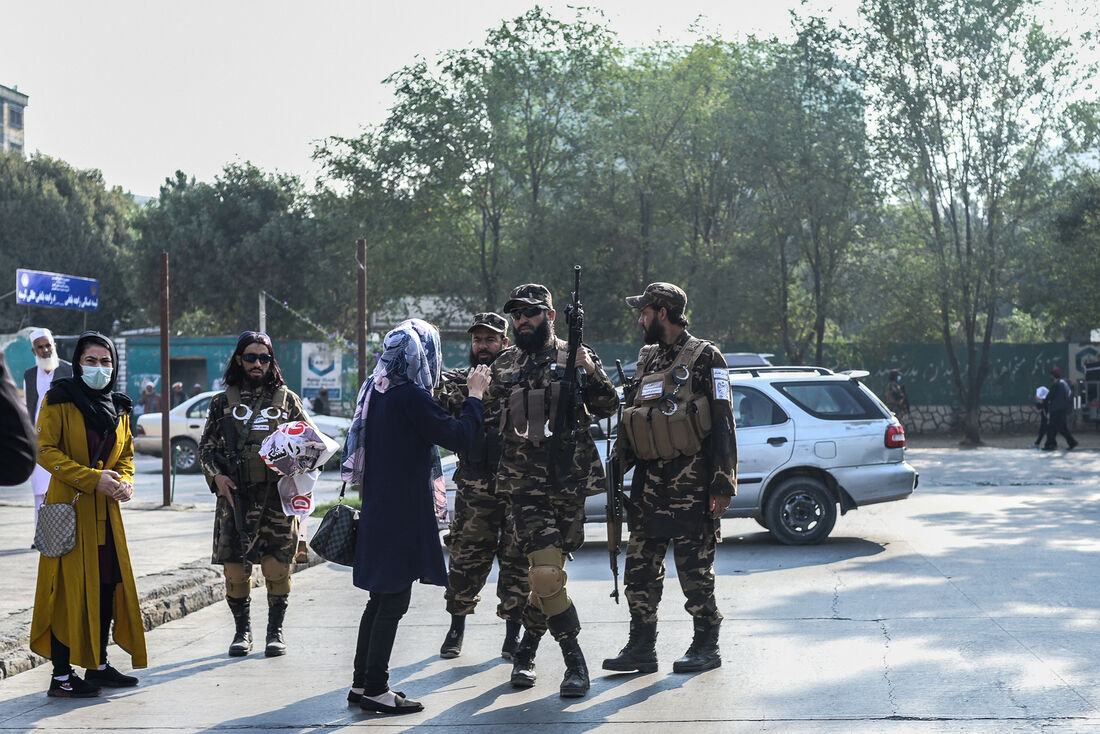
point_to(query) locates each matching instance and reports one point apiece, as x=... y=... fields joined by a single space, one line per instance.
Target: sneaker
x=1072 y=446
x=74 y=687
x=109 y=677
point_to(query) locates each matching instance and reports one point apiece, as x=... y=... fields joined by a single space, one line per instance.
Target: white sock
x=387 y=699
x=102 y=667
x=61 y=678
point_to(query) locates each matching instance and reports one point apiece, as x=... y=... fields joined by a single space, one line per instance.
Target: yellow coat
x=66 y=601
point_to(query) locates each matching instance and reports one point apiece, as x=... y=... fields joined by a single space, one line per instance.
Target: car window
x=199 y=409
x=830 y=400
x=754 y=408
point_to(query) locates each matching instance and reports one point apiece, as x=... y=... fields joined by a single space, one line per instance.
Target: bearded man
x=36 y=383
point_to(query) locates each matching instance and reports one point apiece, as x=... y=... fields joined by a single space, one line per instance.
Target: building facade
x=12 y=104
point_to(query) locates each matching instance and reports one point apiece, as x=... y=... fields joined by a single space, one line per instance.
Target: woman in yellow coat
x=84 y=424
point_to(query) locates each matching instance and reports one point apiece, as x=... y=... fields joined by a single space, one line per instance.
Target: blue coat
x=398 y=539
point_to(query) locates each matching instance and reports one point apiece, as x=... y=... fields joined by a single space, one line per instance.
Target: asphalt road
x=972 y=606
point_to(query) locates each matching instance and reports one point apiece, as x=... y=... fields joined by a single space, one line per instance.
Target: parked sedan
x=808 y=441
x=186 y=423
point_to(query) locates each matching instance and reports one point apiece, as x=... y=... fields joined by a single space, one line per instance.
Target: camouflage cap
x=489 y=320
x=529 y=294
x=660 y=294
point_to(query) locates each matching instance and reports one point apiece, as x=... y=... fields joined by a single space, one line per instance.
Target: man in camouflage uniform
x=549 y=519
x=256 y=400
x=482 y=525
x=677 y=432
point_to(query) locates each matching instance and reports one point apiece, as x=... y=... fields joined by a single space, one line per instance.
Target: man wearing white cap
x=36 y=381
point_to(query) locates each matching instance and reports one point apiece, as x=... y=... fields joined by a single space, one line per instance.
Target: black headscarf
x=100 y=408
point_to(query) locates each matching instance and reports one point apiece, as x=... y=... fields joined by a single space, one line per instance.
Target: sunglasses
x=530 y=312
x=261 y=358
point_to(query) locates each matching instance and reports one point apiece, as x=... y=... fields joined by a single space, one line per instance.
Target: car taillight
x=895 y=437
x=140 y=430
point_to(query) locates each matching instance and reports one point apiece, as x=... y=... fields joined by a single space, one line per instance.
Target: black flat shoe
x=402 y=705
x=354 y=697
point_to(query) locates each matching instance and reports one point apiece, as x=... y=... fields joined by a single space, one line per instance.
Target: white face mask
x=96 y=377
x=48 y=364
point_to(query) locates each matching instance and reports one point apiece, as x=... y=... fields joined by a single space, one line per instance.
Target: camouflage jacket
x=673 y=497
x=213 y=442
x=522 y=459
x=481 y=461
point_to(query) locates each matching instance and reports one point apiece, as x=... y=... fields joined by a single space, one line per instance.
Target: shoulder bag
x=334 y=539
x=55 y=531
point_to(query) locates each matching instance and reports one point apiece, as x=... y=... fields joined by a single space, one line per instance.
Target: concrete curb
x=165 y=596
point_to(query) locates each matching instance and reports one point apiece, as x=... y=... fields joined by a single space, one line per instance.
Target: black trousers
x=1058 y=426
x=377 y=631
x=59 y=651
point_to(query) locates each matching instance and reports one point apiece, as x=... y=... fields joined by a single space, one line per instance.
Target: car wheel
x=800 y=512
x=186 y=454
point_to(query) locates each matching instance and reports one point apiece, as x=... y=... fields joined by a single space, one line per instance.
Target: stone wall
x=992 y=418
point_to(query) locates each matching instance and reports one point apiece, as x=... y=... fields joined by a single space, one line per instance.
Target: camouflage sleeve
x=599 y=392
x=721 y=445
x=211 y=441
x=452 y=392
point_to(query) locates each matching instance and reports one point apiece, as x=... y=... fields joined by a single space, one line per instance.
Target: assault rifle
x=563 y=440
x=232 y=465
x=616 y=499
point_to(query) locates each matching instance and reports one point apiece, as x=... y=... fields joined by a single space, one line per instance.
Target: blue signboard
x=39 y=288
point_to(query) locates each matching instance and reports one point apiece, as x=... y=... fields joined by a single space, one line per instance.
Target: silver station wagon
x=809 y=441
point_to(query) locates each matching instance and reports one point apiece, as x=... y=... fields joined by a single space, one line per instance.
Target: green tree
x=246 y=232
x=60 y=219
x=969 y=94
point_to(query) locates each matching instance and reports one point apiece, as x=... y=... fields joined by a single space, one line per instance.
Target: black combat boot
x=640 y=653
x=242 y=637
x=575 y=682
x=452 y=643
x=511 y=639
x=703 y=653
x=276 y=610
x=523 y=661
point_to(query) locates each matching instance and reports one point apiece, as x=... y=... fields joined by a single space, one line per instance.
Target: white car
x=808 y=440
x=186 y=422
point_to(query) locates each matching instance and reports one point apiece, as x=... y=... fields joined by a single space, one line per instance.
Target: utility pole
x=167 y=459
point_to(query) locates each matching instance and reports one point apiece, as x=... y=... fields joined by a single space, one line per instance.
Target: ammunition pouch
x=667 y=421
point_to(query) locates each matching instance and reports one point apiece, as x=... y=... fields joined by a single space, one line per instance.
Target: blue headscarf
x=410 y=353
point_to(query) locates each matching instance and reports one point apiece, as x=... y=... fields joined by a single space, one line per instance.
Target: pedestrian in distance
x=149 y=401
x=36 y=383
x=1061 y=402
x=84 y=441
x=1042 y=404
x=547 y=498
x=177 y=396
x=250 y=525
x=895 y=396
x=677 y=433
x=482 y=526
x=391 y=453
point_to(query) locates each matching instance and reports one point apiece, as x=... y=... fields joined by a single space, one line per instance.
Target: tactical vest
x=253 y=427
x=666 y=419
x=531 y=412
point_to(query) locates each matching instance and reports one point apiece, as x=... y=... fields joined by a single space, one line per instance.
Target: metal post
x=361 y=257
x=263 y=312
x=167 y=460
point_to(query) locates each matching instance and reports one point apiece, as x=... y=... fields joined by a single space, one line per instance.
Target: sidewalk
x=169 y=551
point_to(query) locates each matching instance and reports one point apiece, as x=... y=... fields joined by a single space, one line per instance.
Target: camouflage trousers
x=644 y=576
x=545 y=518
x=273 y=533
x=482 y=528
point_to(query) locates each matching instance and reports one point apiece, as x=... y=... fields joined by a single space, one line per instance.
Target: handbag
x=55 y=531
x=334 y=538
